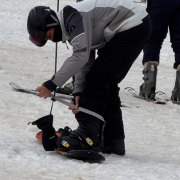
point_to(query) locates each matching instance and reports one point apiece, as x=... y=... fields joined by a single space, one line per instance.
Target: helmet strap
x=53 y=24
x=55 y=19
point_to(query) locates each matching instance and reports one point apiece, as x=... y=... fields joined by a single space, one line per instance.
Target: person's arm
x=80 y=38
x=80 y=82
x=80 y=76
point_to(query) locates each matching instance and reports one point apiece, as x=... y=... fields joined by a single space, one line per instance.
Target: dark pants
x=101 y=93
x=164 y=14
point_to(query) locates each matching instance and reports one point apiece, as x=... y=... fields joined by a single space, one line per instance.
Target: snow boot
x=114 y=147
x=49 y=136
x=88 y=136
x=148 y=88
x=176 y=91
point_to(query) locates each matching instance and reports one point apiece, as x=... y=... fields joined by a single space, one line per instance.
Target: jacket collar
x=65 y=36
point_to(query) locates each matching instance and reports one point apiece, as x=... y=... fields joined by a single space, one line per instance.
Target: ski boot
x=83 y=138
x=114 y=147
x=148 y=88
x=67 y=89
x=65 y=132
x=176 y=91
x=61 y=132
x=49 y=136
x=84 y=143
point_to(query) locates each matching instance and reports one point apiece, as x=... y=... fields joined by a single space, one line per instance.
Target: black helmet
x=37 y=25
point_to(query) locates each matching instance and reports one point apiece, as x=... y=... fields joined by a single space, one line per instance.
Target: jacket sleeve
x=80 y=76
x=80 y=39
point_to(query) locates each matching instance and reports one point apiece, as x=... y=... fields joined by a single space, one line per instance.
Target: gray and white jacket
x=88 y=25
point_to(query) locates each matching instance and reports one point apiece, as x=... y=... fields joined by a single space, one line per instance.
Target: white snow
x=152 y=131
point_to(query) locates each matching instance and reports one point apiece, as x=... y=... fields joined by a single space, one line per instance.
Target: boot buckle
x=89 y=141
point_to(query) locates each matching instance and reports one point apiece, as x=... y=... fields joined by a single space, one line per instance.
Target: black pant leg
x=114 y=128
x=174 y=28
x=160 y=13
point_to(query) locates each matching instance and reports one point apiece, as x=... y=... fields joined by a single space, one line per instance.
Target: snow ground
x=152 y=131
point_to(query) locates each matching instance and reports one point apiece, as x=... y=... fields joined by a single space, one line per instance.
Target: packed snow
x=152 y=131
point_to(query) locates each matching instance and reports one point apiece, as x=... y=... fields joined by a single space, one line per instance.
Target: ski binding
x=132 y=92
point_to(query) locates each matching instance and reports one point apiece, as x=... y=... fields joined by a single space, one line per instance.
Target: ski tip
x=12 y=84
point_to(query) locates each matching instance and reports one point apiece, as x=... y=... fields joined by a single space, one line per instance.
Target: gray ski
x=31 y=91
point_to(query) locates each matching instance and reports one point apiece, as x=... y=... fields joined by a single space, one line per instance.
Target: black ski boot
x=88 y=136
x=148 y=88
x=67 y=89
x=65 y=132
x=49 y=136
x=114 y=147
x=176 y=91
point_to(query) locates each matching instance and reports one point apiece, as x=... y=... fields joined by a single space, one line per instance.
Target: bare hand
x=43 y=91
x=74 y=111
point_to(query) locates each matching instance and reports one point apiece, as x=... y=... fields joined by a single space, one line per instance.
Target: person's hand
x=43 y=91
x=76 y=99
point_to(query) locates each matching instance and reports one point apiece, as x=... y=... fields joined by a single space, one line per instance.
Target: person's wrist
x=50 y=85
x=75 y=95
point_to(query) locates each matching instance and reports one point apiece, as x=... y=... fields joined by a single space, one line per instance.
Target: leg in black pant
x=114 y=129
x=163 y=14
x=174 y=28
x=113 y=115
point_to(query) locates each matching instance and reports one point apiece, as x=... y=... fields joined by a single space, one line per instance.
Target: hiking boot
x=176 y=91
x=148 y=88
x=114 y=147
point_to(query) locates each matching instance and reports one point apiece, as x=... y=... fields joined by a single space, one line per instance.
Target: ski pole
x=55 y=61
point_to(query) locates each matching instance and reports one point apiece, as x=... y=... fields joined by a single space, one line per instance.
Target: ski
x=31 y=91
x=87 y=155
x=58 y=93
x=132 y=92
x=162 y=96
